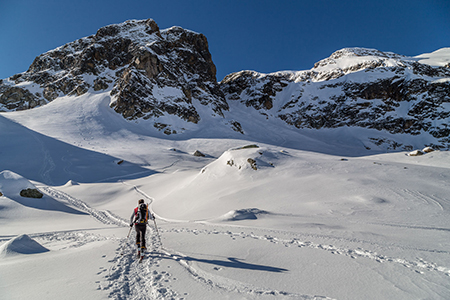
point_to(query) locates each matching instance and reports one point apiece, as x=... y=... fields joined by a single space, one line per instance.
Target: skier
x=139 y=218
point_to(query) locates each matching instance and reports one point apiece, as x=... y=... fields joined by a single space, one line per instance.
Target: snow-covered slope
x=438 y=58
x=357 y=87
x=270 y=211
x=249 y=220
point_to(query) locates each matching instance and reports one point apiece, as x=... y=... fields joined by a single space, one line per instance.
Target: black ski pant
x=140 y=235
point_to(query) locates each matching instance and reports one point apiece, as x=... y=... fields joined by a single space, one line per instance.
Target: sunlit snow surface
x=277 y=213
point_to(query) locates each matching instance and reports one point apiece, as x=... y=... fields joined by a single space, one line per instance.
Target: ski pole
x=128 y=235
x=157 y=232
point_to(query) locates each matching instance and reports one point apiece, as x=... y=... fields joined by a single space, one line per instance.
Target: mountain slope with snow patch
x=274 y=209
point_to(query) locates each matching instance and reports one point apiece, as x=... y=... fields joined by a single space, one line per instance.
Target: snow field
x=308 y=218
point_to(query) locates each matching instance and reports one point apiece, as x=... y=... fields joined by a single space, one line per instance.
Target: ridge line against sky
x=265 y=36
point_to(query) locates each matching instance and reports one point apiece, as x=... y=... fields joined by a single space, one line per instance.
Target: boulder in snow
x=31 y=193
x=252 y=163
x=415 y=153
x=246 y=147
x=199 y=154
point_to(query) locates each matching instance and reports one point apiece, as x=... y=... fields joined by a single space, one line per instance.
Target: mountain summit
x=167 y=75
x=148 y=72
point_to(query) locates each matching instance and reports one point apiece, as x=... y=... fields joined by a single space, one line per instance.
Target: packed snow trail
x=104 y=216
x=129 y=279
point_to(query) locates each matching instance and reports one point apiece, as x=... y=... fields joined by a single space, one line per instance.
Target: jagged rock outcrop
x=149 y=72
x=167 y=76
x=353 y=87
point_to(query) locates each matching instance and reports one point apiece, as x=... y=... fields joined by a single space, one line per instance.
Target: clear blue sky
x=264 y=36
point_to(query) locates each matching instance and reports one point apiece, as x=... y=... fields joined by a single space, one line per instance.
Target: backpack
x=142 y=214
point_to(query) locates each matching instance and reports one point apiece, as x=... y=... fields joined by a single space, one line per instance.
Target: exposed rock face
x=353 y=87
x=16 y=98
x=166 y=76
x=148 y=72
x=260 y=89
x=151 y=73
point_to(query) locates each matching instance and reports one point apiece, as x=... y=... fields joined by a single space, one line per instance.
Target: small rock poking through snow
x=421 y=152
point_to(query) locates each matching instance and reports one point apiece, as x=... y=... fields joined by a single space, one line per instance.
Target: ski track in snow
x=129 y=279
x=104 y=216
x=68 y=239
x=427 y=199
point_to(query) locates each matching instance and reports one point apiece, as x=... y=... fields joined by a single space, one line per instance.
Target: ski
x=140 y=256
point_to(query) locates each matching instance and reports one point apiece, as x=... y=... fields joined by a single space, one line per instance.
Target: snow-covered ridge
x=166 y=80
x=355 y=87
x=354 y=59
x=438 y=58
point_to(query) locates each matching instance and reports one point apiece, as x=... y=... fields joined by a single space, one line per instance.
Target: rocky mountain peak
x=355 y=87
x=166 y=75
x=136 y=62
x=349 y=60
x=356 y=51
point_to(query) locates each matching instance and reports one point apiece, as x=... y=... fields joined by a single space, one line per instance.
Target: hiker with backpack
x=139 y=219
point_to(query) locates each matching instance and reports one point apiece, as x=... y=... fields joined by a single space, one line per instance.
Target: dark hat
x=141 y=201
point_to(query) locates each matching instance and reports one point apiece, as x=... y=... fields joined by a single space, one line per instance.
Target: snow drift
x=11 y=184
x=21 y=244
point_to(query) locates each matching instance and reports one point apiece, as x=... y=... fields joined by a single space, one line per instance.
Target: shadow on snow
x=45 y=159
x=231 y=262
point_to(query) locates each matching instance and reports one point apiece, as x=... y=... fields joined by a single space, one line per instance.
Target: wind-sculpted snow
x=22 y=244
x=243 y=214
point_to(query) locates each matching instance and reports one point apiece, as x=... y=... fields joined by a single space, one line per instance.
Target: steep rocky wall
x=136 y=62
